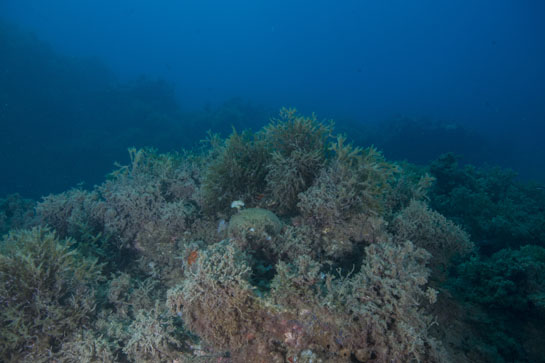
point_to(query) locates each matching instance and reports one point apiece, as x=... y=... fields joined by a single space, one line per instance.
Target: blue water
x=475 y=65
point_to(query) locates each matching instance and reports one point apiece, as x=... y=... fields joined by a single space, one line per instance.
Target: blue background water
x=477 y=65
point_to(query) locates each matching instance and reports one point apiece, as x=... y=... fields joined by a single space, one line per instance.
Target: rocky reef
x=284 y=245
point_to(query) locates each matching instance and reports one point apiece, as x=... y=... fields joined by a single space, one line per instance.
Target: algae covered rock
x=254 y=228
x=215 y=300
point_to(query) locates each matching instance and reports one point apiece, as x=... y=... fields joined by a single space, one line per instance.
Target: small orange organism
x=192 y=257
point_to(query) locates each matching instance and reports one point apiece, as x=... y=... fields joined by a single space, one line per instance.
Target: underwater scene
x=286 y=182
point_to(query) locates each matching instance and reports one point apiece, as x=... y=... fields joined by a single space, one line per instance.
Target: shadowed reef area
x=288 y=244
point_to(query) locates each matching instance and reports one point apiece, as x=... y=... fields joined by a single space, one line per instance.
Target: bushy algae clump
x=284 y=245
x=46 y=292
x=496 y=209
x=15 y=212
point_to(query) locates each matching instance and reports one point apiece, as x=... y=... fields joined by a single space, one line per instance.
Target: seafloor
x=284 y=245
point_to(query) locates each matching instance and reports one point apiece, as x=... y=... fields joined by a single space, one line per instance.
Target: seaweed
x=237 y=171
x=46 y=292
x=280 y=245
x=299 y=150
x=496 y=209
x=507 y=290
